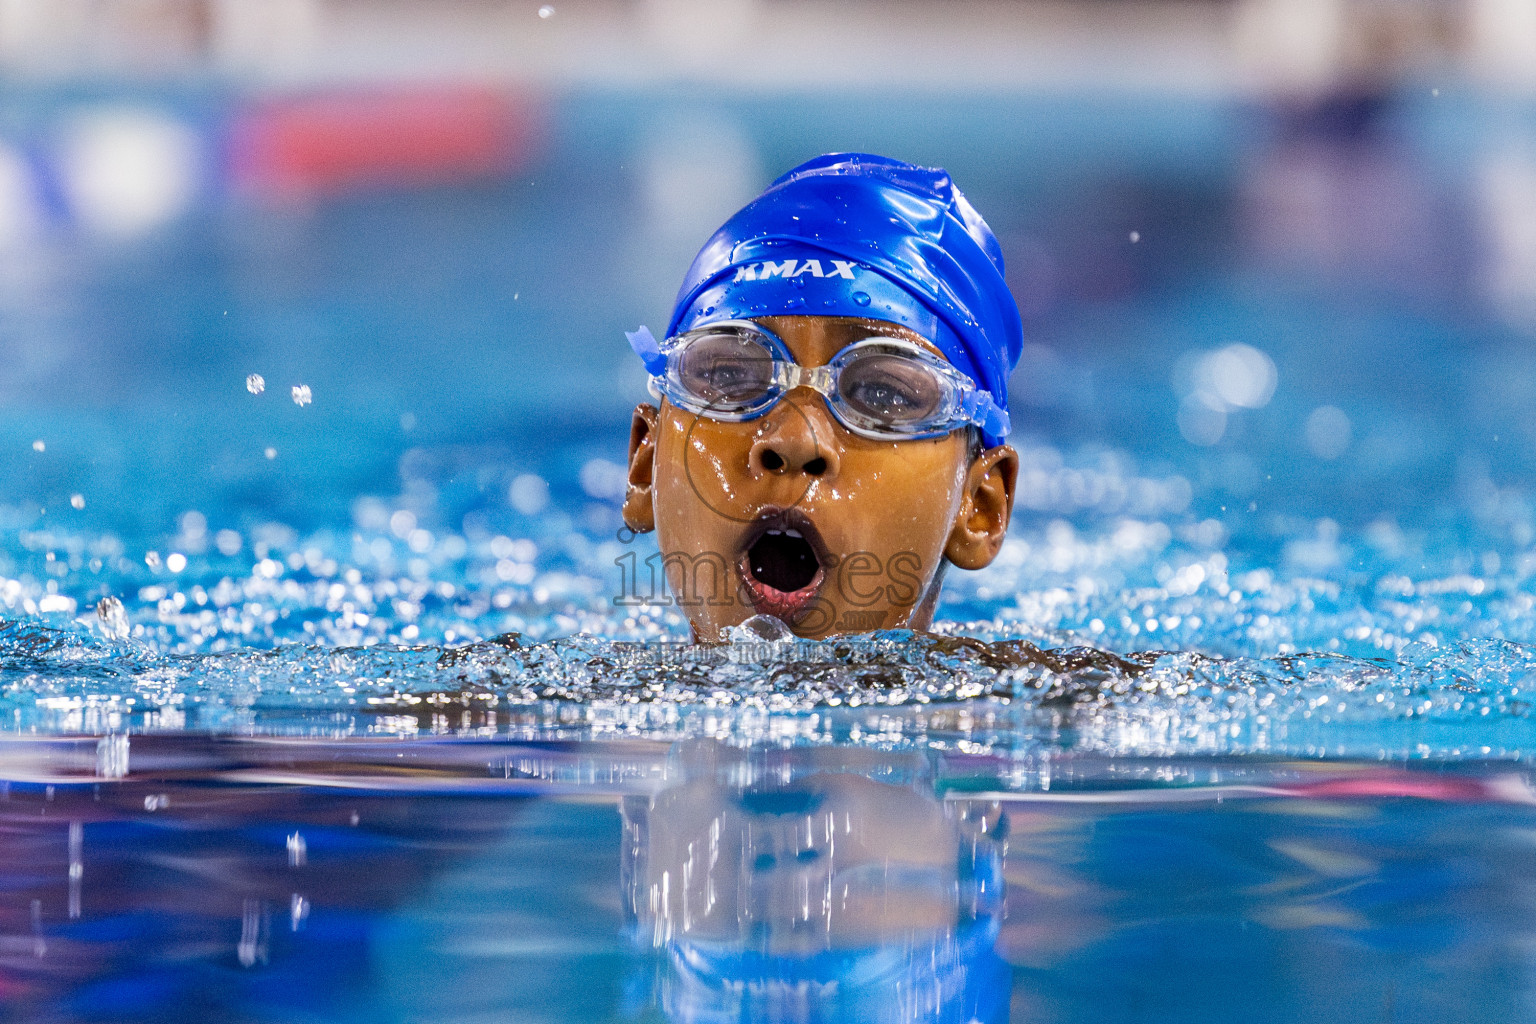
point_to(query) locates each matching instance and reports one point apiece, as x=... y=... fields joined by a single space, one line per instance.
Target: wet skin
x=884 y=517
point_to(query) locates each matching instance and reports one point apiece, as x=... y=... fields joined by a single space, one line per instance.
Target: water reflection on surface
x=817 y=884
x=257 y=880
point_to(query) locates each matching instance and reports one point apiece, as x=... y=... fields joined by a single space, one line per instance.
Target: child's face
x=793 y=515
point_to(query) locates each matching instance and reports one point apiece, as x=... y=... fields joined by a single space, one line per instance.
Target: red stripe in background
x=334 y=141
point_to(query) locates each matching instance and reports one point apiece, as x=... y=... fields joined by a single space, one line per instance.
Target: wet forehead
x=813 y=340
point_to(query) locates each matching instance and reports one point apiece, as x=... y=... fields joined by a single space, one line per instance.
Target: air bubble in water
x=38 y=445
x=77 y=501
x=546 y=12
x=270 y=453
x=152 y=559
x=176 y=561
x=255 y=384
x=1135 y=237
x=301 y=395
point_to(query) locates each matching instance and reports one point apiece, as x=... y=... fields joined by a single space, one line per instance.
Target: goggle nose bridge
x=821 y=379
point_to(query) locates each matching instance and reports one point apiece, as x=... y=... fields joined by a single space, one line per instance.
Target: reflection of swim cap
x=848 y=234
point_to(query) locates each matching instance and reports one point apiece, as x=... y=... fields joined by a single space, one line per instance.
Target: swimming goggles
x=885 y=389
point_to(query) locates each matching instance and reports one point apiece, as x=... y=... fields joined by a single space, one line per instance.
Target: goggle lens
x=725 y=370
x=890 y=388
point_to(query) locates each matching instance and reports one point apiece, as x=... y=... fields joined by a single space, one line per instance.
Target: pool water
x=451 y=880
x=357 y=707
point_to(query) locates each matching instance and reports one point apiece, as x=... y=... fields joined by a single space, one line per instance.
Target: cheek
x=917 y=488
x=699 y=469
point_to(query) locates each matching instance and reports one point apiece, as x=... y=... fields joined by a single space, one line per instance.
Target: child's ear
x=982 y=521
x=639 y=510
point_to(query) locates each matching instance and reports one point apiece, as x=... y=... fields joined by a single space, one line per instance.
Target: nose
x=795 y=440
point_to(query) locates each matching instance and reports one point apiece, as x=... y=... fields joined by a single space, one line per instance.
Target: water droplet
x=708 y=310
x=255 y=384
x=301 y=395
x=77 y=500
x=759 y=628
x=546 y=12
x=38 y=445
x=861 y=298
x=113 y=617
x=794 y=303
x=798 y=282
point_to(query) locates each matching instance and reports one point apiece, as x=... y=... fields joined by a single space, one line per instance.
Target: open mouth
x=781 y=565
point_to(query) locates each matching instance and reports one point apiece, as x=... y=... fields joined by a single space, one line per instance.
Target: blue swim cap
x=849 y=234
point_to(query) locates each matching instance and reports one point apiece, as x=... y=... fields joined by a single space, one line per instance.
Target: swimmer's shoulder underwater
x=832 y=405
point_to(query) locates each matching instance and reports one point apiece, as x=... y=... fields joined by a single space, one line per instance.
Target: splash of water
x=1470 y=699
x=1300 y=638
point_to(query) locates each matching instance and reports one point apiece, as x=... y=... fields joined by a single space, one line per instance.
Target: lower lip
x=786 y=607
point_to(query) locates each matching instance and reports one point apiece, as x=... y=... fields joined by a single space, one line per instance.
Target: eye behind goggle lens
x=891 y=389
x=724 y=370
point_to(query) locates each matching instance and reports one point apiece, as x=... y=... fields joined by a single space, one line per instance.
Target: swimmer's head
x=833 y=388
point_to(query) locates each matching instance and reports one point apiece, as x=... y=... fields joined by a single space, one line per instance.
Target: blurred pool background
x=313 y=383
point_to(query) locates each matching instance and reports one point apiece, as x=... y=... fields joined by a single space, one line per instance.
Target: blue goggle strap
x=644 y=343
x=981 y=409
